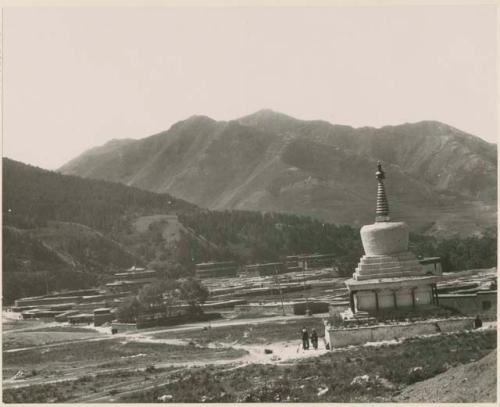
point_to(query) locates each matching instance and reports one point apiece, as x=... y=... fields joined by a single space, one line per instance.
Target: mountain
x=439 y=179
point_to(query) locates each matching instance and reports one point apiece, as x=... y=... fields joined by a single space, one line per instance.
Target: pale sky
x=75 y=78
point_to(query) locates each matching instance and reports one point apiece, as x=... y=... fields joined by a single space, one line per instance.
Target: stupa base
x=381 y=295
x=359 y=318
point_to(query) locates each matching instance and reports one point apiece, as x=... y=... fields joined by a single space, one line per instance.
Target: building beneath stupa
x=391 y=295
x=388 y=276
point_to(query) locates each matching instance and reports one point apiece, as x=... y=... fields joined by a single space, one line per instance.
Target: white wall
x=339 y=338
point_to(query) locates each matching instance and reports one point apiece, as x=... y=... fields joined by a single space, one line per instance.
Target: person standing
x=314 y=339
x=305 y=338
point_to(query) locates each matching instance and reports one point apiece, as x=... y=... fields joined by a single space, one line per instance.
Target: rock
x=368 y=382
x=268 y=351
x=21 y=374
x=385 y=383
x=363 y=380
x=416 y=374
x=165 y=398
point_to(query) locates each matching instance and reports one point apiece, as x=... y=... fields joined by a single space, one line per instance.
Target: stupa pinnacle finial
x=382 y=213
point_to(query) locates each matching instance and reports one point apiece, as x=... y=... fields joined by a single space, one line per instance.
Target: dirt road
x=131 y=335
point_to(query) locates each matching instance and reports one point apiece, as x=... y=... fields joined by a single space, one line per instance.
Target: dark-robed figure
x=314 y=339
x=305 y=338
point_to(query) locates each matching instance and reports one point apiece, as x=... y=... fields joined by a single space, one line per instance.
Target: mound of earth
x=472 y=382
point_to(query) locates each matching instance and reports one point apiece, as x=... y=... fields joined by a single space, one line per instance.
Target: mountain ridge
x=269 y=161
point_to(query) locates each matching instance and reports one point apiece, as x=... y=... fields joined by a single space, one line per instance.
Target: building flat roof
x=212 y=263
x=135 y=273
x=427 y=260
x=102 y=310
x=264 y=264
x=480 y=292
x=134 y=268
x=309 y=256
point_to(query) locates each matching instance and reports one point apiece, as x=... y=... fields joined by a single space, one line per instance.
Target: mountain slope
x=64 y=231
x=439 y=179
x=68 y=232
x=34 y=195
x=56 y=256
x=474 y=382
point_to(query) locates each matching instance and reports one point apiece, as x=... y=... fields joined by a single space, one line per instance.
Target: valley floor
x=228 y=363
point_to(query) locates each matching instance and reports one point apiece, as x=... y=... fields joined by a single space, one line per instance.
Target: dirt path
x=138 y=334
x=283 y=352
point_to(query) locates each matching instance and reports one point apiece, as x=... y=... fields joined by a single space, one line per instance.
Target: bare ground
x=113 y=367
x=469 y=383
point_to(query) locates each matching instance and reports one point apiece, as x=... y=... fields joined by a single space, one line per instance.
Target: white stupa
x=388 y=276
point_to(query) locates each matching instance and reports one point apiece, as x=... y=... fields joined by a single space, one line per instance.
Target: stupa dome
x=384 y=237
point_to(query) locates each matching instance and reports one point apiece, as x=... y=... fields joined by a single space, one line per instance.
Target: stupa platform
x=387 y=266
x=391 y=282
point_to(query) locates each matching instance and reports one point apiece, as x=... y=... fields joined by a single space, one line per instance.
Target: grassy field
x=87 y=385
x=330 y=378
x=252 y=333
x=10 y=324
x=107 y=354
x=63 y=328
x=45 y=335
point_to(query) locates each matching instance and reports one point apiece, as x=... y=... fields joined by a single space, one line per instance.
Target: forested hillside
x=31 y=267
x=68 y=232
x=32 y=196
x=253 y=236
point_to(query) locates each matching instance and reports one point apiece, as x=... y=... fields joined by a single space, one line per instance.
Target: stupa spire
x=382 y=212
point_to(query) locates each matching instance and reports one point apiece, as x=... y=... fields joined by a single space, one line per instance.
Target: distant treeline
x=459 y=253
x=251 y=237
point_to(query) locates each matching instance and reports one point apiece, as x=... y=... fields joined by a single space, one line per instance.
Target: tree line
x=164 y=297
